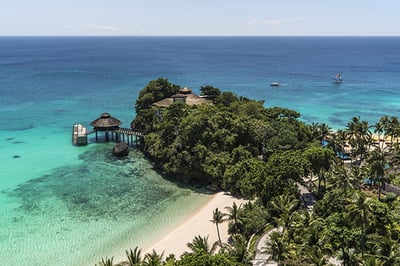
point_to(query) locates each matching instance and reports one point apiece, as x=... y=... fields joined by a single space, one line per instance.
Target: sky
x=200 y=18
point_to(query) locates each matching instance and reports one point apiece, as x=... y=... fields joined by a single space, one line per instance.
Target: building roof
x=186 y=90
x=105 y=121
x=179 y=95
x=191 y=99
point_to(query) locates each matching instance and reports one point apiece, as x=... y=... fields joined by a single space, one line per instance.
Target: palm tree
x=341 y=178
x=238 y=249
x=134 y=257
x=313 y=256
x=357 y=136
x=360 y=214
x=371 y=261
x=315 y=130
x=384 y=121
x=153 y=259
x=393 y=159
x=107 y=261
x=235 y=221
x=200 y=245
x=283 y=204
x=386 y=249
x=317 y=237
x=324 y=130
x=379 y=129
x=393 y=128
x=357 y=174
x=218 y=218
x=277 y=247
x=283 y=210
x=340 y=137
x=376 y=165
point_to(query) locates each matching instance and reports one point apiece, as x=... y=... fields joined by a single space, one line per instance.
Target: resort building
x=185 y=96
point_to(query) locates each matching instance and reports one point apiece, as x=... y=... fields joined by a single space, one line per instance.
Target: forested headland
x=237 y=144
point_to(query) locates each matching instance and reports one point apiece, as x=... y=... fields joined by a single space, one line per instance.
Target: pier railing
x=80 y=133
x=129 y=131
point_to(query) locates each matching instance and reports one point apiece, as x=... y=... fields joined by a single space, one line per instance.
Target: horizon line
x=194 y=35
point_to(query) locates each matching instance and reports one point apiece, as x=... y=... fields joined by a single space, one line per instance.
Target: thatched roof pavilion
x=105 y=123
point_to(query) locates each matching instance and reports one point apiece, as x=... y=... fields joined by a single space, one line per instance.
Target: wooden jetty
x=128 y=133
x=112 y=131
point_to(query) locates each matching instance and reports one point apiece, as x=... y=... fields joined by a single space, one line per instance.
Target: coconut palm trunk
x=218 y=218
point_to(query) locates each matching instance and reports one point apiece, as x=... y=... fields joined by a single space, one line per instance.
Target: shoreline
x=198 y=223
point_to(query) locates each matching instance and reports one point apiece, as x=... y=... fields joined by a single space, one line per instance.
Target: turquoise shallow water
x=66 y=205
x=91 y=207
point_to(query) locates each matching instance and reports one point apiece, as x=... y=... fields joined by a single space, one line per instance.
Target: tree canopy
x=226 y=144
x=268 y=155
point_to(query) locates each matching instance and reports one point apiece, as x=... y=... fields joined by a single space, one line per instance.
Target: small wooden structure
x=121 y=149
x=107 y=124
x=79 y=135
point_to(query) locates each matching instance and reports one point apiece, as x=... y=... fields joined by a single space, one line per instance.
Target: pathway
x=263 y=259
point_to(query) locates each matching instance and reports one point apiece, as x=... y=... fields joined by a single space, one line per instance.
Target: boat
x=275 y=84
x=338 y=78
x=121 y=149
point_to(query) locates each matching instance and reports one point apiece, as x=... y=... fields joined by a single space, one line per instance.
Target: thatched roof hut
x=105 y=122
x=186 y=96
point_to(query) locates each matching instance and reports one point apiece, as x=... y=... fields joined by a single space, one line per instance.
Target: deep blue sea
x=66 y=205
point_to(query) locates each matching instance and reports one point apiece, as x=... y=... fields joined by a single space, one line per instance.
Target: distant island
x=318 y=196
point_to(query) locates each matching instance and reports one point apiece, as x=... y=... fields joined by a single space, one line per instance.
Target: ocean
x=67 y=205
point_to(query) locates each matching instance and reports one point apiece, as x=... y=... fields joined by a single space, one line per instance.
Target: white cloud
x=100 y=27
x=252 y=21
x=96 y=27
x=284 y=21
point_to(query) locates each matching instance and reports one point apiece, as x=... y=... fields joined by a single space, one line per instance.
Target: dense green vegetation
x=264 y=154
x=221 y=145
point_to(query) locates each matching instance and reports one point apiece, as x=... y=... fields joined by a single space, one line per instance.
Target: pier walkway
x=128 y=133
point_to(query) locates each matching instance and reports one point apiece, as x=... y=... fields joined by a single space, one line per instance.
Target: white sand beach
x=198 y=224
x=174 y=242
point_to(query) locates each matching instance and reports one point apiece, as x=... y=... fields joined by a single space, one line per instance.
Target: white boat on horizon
x=275 y=84
x=338 y=78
